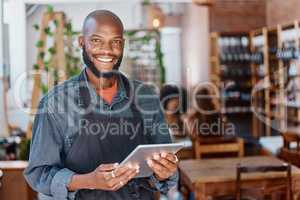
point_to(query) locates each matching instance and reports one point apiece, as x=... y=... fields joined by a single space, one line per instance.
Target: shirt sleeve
x=45 y=172
x=165 y=186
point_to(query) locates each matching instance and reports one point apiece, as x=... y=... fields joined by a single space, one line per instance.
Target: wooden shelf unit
x=258 y=41
x=227 y=74
x=275 y=80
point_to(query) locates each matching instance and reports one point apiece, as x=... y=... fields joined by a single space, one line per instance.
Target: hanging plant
x=72 y=59
x=140 y=38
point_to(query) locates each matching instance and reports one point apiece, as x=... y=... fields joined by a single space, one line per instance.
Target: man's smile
x=104 y=60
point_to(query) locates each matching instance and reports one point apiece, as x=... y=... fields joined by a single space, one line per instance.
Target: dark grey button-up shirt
x=56 y=127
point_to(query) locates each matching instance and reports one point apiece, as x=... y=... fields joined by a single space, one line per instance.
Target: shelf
x=237 y=109
x=266 y=73
x=292 y=104
x=293 y=120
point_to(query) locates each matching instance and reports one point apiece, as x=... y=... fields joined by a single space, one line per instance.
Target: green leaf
x=42 y=55
x=146 y=39
x=75 y=33
x=52 y=50
x=46 y=66
x=44 y=88
x=68 y=27
x=130 y=33
x=47 y=30
x=36 y=27
x=55 y=23
x=36 y=66
x=55 y=75
x=39 y=44
x=146 y=2
x=50 y=9
x=68 y=56
x=76 y=60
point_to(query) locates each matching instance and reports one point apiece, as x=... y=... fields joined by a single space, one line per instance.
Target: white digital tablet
x=143 y=152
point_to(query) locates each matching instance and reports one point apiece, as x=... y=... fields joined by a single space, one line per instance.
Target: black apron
x=90 y=150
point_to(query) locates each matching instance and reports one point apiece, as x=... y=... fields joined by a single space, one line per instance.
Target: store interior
x=227 y=73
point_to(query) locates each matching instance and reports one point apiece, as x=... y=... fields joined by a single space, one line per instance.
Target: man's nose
x=106 y=48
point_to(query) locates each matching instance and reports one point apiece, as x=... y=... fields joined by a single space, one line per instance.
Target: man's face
x=103 y=43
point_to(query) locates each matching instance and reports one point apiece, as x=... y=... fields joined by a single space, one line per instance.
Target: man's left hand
x=164 y=165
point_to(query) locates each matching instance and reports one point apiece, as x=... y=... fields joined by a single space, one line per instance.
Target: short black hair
x=170 y=91
x=102 y=15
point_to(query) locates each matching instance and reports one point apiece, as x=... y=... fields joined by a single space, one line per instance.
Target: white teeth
x=104 y=59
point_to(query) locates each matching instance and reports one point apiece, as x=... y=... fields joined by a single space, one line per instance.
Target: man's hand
x=164 y=165
x=112 y=177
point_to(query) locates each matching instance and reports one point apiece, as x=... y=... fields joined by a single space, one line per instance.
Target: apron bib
x=100 y=142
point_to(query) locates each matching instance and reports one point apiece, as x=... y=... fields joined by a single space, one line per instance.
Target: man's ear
x=81 y=41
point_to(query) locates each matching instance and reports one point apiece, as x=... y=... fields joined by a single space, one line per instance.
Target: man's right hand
x=111 y=177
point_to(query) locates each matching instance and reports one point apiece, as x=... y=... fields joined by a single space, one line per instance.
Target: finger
x=157 y=167
x=118 y=172
x=122 y=169
x=122 y=180
x=167 y=164
x=164 y=161
x=126 y=179
x=171 y=157
x=107 y=167
x=128 y=175
x=108 y=175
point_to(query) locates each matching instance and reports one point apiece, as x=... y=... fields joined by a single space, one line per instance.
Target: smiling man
x=79 y=136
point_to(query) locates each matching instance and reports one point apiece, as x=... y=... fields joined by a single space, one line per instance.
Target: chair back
x=219 y=146
x=282 y=189
x=290 y=152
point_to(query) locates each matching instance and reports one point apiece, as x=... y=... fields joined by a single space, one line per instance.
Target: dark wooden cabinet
x=13 y=184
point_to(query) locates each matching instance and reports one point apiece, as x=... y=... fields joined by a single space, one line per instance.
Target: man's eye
x=116 y=42
x=95 y=40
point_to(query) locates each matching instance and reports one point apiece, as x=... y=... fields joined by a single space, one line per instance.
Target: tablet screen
x=143 y=152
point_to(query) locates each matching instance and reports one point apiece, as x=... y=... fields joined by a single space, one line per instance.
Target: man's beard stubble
x=87 y=61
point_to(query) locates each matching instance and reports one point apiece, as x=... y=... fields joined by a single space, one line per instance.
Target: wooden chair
x=276 y=191
x=290 y=153
x=218 y=145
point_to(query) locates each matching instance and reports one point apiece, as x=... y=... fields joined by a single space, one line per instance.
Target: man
x=90 y=123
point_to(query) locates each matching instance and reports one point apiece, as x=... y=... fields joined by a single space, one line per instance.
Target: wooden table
x=216 y=177
x=14 y=186
x=293 y=129
x=187 y=152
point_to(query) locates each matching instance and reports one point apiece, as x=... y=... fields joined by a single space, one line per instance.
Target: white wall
x=195 y=44
x=171 y=49
x=1 y=39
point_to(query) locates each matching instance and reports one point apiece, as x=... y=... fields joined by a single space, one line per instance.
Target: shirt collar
x=121 y=92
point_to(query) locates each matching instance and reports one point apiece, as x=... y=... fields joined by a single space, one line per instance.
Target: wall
x=282 y=11
x=195 y=44
x=1 y=36
x=237 y=15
